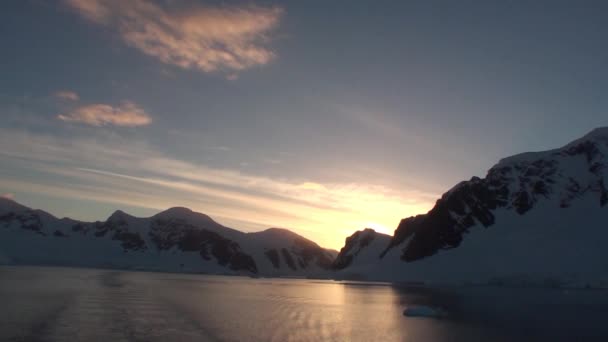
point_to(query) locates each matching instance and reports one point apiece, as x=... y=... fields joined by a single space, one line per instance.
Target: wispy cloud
x=129 y=172
x=192 y=37
x=67 y=95
x=232 y=77
x=126 y=114
x=272 y=161
x=220 y=148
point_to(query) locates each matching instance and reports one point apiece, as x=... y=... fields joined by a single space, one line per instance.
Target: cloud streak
x=198 y=37
x=67 y=95
x=127 y=114
x=128 y=172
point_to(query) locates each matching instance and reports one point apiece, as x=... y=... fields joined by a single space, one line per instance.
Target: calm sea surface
x=70 y=304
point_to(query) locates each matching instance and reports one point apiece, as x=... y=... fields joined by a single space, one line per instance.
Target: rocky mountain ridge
x=542 y=209
x=177 y=239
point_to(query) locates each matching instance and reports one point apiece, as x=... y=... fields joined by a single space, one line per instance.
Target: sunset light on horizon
x=270 y=114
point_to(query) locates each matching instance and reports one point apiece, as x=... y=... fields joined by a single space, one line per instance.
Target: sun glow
x=380 y=228
x=326 y=213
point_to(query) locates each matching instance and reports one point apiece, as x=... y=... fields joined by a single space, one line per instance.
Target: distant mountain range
x=538 y=218
x=176 y=240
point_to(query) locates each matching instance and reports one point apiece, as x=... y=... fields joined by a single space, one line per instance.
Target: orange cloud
x=126 y=114
x=67 y=95
x=9 y=196
x=205 y=38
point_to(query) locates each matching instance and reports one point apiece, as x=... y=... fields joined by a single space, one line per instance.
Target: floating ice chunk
x=424 y=311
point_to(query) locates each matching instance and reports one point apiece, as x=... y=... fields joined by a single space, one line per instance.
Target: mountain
x=177 y=239
x=538 y=218
x=363 y=246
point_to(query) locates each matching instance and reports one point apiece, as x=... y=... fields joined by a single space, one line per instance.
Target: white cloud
x=194 y=37
x=67 y=95
x=126 y=114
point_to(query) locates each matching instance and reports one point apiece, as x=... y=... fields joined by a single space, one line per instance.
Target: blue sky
x=319 y=116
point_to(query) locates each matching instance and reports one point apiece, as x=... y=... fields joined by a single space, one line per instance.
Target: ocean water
x=71 y=304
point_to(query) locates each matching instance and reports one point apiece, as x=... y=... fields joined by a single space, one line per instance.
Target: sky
x=323 y=117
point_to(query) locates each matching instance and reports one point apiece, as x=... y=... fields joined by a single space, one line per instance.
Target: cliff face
x=548 y=205
x=361 y=243
x=518 y=184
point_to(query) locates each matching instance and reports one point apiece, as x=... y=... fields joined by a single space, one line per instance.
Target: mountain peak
x=178 y=211
x=598 y=134
x=282 y=236
x=601 y=132
x=7 y=205
x=590 y=139
x=278 y=231
x=369 y=231
x=183 y=213
x=119 y=214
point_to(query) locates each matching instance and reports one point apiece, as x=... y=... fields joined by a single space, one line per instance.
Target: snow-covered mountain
x=536 y=218
x=362 y=247
x=177 y=239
